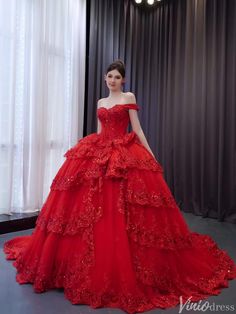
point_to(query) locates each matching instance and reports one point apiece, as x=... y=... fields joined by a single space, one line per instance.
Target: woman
x=110 y=232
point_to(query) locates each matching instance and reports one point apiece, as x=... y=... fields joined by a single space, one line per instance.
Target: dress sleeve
x=132 y=106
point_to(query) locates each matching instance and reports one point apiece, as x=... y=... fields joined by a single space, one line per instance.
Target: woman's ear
x=105 y=77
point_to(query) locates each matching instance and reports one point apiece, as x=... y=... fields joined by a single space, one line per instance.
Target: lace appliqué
x=172 y=286
x=88 y=214
x=141 y=192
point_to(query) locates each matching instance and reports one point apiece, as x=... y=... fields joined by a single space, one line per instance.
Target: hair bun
x=120 y=61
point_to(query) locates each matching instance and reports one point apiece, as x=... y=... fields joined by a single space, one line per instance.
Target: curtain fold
x=180 y=63
x=42 y=61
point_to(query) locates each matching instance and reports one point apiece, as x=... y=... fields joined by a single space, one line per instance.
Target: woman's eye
x=117 y=77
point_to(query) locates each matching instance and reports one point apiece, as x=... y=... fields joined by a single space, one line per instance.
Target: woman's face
x=114 y=80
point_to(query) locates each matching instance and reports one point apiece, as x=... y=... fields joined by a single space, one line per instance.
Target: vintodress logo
x=203 y=306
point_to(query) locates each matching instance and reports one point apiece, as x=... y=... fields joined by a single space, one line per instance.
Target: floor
x=15 y=298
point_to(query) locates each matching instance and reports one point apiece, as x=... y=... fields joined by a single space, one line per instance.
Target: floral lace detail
x=37 y=273
x=135 y=201
x=154 y=289
x=144 y=228
x=114 y=121
x=223 y=270
x=92 y=159
x=149 y=238
x=150 y=198
x=88 y=214
x=121 y=204
x=139 y=192
x=89 y=170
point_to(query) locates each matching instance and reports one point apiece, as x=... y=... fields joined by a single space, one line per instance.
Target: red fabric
x=110 y=232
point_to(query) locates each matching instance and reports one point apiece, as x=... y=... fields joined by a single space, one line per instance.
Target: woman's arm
x=98 y=121
x=134 y=120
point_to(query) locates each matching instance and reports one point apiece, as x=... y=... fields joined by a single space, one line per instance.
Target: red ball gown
x=110 y=233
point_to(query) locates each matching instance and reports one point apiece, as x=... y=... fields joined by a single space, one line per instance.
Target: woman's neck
x=115 y=94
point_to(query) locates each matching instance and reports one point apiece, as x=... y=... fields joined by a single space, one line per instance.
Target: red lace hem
x=152 y=289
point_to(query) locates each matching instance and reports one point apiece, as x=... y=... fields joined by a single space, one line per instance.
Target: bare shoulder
x=100 y=102
x=130 y=98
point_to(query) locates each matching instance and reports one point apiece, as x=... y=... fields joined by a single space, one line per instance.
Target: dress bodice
x=115 y=120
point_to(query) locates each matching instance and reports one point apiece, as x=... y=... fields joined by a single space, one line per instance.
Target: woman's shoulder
x=130 y=98
x=128 y=94
x=101 y=100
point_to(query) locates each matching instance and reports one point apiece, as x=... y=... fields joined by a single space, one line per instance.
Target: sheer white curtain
x=42 y=75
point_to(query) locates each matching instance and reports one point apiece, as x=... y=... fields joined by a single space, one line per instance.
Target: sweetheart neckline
x=115 y=106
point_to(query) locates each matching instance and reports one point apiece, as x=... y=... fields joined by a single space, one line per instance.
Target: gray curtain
x=181 y=64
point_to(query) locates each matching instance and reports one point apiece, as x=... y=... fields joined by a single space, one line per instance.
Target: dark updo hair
x=117 y=65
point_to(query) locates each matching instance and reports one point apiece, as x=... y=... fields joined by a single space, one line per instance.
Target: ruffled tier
x=144 y=195
x=94 y=157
